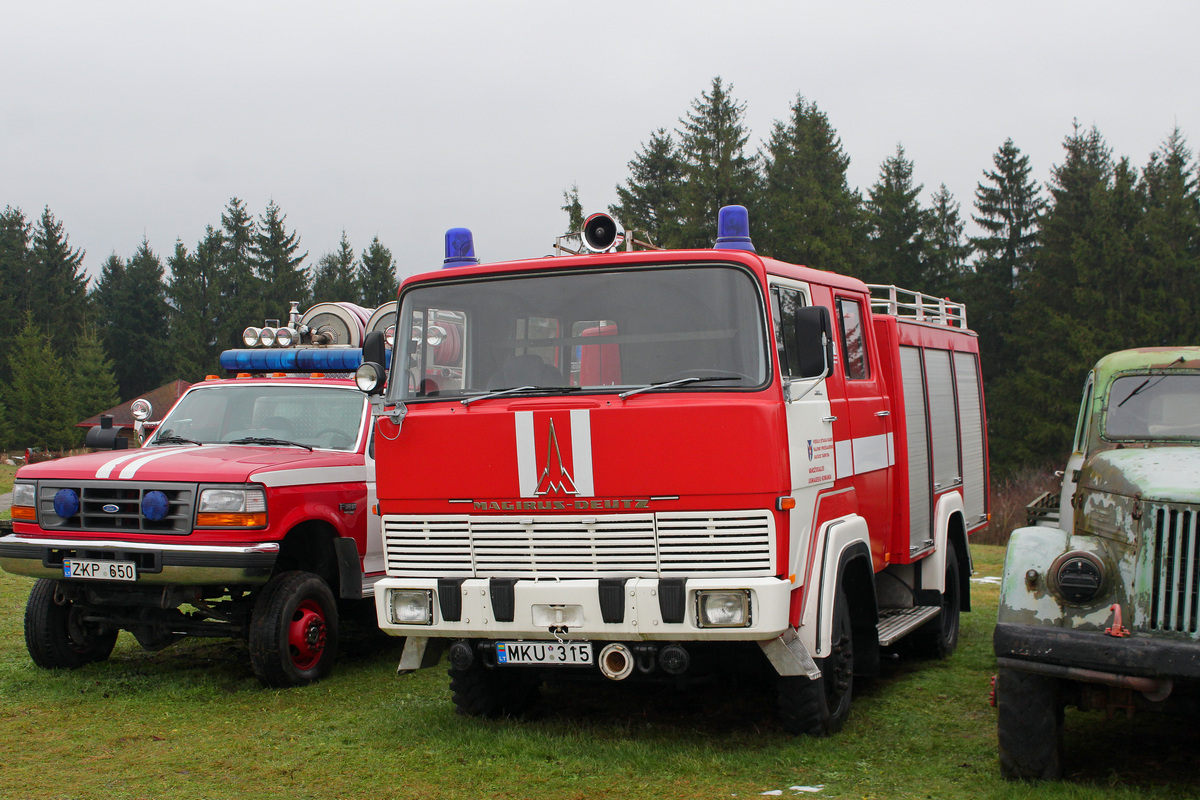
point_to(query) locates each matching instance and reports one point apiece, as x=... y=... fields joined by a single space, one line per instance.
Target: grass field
x=192 y=722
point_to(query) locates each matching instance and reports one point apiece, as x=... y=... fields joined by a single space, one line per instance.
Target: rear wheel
x=820 y=707
x=1030 y=722
x=480 y=691
x=294 y=630
x=939 y=637
x=56 y=634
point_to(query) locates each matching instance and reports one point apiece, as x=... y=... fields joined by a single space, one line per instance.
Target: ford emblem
x=110 y=508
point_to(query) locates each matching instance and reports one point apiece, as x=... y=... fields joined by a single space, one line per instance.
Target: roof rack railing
x=918 y=306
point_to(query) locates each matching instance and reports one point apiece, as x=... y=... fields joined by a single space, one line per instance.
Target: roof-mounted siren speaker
x=601 y=233
x=335 y=324
x=383 y=319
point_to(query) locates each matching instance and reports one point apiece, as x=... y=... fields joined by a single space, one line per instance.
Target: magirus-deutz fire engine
x=669 y=464
x=245 y=514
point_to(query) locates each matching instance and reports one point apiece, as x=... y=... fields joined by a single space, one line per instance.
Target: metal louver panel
x=970 y=420
x=739 y=543
x=1175 y=587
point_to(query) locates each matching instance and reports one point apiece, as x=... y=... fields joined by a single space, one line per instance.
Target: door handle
x=883 y=413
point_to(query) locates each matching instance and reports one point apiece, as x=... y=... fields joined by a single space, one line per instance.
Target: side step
x=896 y=623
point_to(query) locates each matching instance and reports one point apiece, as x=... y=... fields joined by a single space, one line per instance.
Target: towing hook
x=645 y=656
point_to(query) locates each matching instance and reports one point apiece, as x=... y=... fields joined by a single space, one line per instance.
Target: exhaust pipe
x=616 y=662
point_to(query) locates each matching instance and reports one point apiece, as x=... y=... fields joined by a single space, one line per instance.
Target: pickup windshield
x=610 y=331
x=309 y=416
x=1153 y=406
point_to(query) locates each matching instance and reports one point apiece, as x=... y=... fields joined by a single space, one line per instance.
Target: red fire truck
x=671 y=464
x=246 y=513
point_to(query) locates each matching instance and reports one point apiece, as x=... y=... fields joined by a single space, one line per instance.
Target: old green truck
x=1099 y=599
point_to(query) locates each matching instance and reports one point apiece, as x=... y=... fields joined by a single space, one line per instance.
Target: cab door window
x=853 y=339
x=785 y=303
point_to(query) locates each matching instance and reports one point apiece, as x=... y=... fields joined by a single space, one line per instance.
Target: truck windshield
x=315 y=416
x=1154 y=406
x=583 y=331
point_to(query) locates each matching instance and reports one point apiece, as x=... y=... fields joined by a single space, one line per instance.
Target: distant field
x=192 y=722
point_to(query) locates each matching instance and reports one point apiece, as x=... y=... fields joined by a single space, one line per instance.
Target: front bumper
x=162 y=564
x=1137 y=655
x=641 y=614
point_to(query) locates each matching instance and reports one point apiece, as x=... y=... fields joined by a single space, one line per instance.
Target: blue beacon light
x=733 y=229
x=460 y=248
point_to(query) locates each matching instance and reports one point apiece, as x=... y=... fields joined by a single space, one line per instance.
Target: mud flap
x=788 y=655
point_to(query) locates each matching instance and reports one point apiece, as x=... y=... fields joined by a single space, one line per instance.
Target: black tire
x=294 y=630
x=480 y=691
x=56 y=635
x=1030 y=726
x=820 y=707
x=939 y=637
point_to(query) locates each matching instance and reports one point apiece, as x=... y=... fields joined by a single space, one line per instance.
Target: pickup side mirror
x=814 y=335
x=371 y=375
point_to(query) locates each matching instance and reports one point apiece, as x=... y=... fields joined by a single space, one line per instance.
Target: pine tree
x=808 y=214
x=377 y=280
x=1056 y=332
x=334 y=280
x=651 y=198
x=1168 y=242
x=57 y=287
x=277 y=265
x=896 y=227
x=1008 y=209
x=92 y=378
x=16 y=243
x=37 y=396
x=131 y=310
x=946 y=250
x=716 y=170
x=193 y=295
x=241 y=291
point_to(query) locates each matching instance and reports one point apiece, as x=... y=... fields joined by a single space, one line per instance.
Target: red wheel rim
x=306 y=634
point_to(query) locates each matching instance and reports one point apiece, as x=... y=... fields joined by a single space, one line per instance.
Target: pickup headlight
x=411 y=606
x=24 y=502
x=1078 y=577
x=723 y=609
x=231 y=508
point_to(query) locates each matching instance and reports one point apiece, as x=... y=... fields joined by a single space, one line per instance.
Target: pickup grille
x=124 y=501
x=1175 y=577
x=728 y=543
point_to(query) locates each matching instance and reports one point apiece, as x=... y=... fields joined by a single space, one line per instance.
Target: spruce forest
x=1057 y=270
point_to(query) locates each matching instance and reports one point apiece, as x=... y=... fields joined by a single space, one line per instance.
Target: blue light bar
x=733 y=229
x=460 y=248
x=341 y=359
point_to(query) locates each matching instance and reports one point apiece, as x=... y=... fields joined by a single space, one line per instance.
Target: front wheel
x=938 y=638
x=294 y=630
x=58 y=636
x=492 y=692
x=820 y=707
x=1030 y=722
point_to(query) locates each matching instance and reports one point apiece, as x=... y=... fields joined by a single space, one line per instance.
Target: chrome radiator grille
x=1175 y=576
x=733 y=543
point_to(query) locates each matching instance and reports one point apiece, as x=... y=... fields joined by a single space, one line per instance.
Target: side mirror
x=370 y=377
x=814 y=335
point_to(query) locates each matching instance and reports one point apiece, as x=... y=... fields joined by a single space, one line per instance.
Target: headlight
x=723 y=609
x=24 y=502
x=231 y=508
x=411 y=606
x=1079 y=577
x=369 y=377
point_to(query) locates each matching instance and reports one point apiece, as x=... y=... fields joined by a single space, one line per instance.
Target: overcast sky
x=400 y=120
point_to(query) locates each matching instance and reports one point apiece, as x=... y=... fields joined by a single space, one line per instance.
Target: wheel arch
x=311 y=547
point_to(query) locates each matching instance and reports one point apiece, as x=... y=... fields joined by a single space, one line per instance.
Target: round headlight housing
x=1078 y=577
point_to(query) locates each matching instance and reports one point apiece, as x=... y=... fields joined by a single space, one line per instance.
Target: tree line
x=77 y=350
x=1103 y=256
x=1100 y=257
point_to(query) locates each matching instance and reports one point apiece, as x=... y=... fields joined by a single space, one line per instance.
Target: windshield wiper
x=466 y=401
x=173 y=439
x=678 y=382
x=267 y=440
x=1141 y=387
